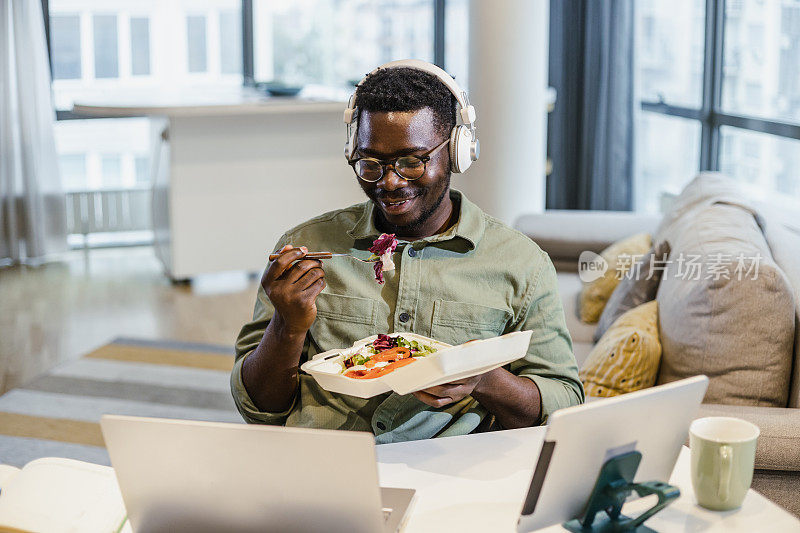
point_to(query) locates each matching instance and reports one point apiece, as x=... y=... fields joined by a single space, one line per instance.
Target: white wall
x=508 y=59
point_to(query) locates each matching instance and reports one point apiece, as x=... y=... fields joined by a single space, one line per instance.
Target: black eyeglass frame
x=423 y=158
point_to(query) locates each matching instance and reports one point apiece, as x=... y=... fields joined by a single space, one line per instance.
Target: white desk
x=478 y=482
x=234 y=169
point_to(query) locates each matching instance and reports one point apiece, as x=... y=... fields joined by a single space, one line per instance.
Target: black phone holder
x=614 y=484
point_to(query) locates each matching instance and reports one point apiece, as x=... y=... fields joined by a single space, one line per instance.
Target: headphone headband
x=466 y=111
x=464 y=146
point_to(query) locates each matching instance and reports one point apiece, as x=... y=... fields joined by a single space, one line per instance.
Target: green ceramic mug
x=723 y=456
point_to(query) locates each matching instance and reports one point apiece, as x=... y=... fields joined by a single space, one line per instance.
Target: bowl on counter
x=277 y=88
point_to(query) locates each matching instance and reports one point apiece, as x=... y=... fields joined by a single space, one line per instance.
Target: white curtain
x=32 y=206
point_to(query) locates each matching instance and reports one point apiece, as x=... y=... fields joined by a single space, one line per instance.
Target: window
x=670 y=69
x=333 y=42
x=128 y=47
x=230 y=42
x=669 y=151
x=99 y=48
x=111 y=171
x=196 y=43
x=106 y=62
x=65 y=32
x=768 y=162
x=142 y=169
x=457 y=40
x=73 y=171
x=764 y=79
x=733 y=84
x=97 y=154
x=140 y=46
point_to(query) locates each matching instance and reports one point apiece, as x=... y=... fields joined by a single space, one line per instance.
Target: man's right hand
x=292 y=285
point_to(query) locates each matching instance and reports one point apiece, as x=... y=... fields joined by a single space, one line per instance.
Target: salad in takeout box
x=407 y=362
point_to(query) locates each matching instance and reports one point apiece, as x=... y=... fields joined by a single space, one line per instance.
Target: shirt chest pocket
x=459 y=322
x=342 y=320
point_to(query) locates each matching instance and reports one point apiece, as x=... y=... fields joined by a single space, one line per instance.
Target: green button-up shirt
x=479 y=279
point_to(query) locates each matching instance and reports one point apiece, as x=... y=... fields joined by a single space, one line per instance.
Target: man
x=460 y=275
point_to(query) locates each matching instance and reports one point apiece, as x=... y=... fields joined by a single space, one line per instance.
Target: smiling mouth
x=396 y=206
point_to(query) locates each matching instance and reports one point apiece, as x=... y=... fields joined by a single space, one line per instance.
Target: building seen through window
x=128 y=48
x=312 y=41
x=760 y=78
x=669 y=70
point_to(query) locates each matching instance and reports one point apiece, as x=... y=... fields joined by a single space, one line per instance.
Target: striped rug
x=58 y=414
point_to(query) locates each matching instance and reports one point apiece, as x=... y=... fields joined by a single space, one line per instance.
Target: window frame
x=710 y=114
x=248 y=68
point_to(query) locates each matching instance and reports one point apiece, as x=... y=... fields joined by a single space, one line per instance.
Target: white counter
x=210 y=102
x=232 y=170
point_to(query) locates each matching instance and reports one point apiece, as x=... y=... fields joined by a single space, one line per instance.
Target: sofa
x=564 y=235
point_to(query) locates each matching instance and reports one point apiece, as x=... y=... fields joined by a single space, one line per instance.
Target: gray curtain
x=32 y=206
x=590 y=131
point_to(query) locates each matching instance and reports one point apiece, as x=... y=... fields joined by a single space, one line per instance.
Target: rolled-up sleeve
x=550 y=361
x=245 y=405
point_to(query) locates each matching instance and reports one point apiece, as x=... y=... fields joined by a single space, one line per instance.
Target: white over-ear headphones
x=464 y=146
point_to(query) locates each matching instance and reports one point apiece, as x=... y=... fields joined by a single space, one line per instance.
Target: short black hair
x=407 y=89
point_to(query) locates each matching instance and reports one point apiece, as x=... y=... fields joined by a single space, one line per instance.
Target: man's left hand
x=448 y=393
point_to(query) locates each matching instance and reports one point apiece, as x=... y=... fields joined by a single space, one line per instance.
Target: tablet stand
x=613 y=486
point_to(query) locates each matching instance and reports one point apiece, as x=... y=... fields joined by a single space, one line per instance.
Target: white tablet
x=580 y=439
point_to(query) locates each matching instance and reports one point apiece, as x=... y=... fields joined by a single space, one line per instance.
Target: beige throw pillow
x=733 y=318
x=627 y=357
x=620 y=257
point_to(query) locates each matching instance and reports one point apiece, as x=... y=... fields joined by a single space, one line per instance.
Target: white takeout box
x=447 y=364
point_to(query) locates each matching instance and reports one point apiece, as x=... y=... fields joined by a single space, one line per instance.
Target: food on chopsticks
x=383 y=355
x=382 y=249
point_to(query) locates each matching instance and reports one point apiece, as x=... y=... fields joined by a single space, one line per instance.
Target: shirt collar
x=470 y=225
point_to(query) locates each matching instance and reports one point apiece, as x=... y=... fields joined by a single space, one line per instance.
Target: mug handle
x=726 y=464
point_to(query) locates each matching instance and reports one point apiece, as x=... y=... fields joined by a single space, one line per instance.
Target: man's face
x=416 y=208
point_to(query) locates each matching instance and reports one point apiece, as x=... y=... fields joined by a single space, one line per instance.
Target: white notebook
x=60 y=495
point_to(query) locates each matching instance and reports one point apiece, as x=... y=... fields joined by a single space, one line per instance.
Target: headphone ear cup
x=452 y=148
x=349 y=145
x=460 y=142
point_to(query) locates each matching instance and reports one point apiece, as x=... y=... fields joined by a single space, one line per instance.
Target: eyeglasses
x=408 y=167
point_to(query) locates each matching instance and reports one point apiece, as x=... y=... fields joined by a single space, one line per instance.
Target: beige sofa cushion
x=784 y=243
x=739 y=332
x=626 y=357
x=620 y=257
x=706 y=189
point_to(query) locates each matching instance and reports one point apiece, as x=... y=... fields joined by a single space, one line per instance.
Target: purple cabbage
x=378 y=266
x=385 y=243
x=384 y=342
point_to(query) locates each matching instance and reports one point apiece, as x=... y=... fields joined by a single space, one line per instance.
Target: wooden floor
x=63 y=310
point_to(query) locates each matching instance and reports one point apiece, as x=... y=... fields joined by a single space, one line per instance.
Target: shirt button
x=404 y=317
x=381 y=426
x=412 y=252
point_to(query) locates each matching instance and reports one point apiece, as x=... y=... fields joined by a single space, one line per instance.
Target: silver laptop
x=180 y=475
x=580 y=439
